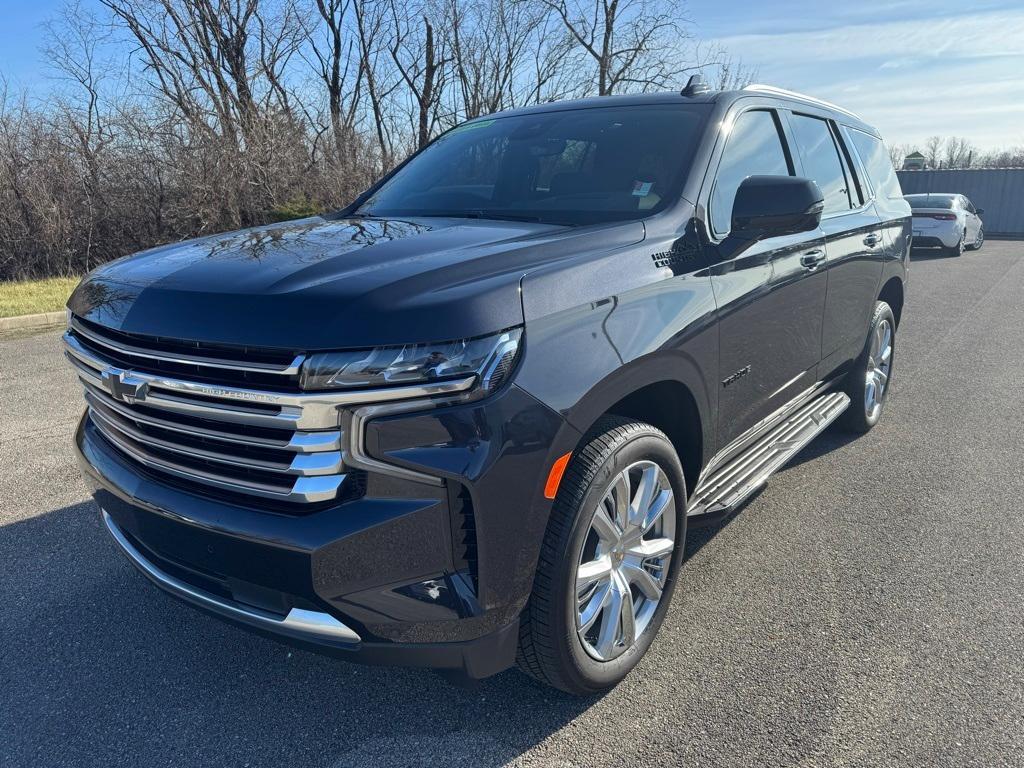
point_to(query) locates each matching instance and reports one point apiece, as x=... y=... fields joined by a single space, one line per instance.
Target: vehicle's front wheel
x=869 y=381
x=608 y=563
x=979 y=240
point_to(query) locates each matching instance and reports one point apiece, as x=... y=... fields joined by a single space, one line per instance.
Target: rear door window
x=754 y=148
x=822 y=162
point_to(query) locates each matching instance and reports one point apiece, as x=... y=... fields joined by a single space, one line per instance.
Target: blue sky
x=20 y=37
x=913 y=68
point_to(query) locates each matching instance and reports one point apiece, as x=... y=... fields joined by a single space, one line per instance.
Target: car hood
x=325 y=283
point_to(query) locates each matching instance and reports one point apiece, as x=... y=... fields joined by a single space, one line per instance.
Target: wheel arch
x=892 y=294
x=665 y=394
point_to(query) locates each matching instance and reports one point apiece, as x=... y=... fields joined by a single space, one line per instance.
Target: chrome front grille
x=273 y=445
x=190 y=412
x=236 y=366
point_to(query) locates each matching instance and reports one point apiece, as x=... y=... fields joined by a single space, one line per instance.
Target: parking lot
x=867 y=608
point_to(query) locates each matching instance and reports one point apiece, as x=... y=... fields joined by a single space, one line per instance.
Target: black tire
x=978 y=241
x=858 y=417
x=550 y=650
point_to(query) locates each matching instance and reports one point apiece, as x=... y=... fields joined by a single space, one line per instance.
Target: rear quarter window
x=876 y=160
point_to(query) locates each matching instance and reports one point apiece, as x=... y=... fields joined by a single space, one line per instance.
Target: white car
x=949 y=222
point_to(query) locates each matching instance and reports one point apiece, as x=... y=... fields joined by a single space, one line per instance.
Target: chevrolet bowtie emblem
x=123 y=386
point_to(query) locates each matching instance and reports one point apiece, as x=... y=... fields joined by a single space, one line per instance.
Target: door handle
x=812 y=259
x=872 y=240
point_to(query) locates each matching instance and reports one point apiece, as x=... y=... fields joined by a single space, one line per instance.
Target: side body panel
x=769 y=329
x=867 y=247
x=639 y=315
x=770 y=308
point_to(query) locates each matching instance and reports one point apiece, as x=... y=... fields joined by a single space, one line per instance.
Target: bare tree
x=220 y=60
x=631 y=43
x=730 y=73
x=370 y=23
x=333 y=50
x=898 y=153
x=490 y=43
x=933 y=151
x=420 y=59
x=958 y=152
x=207 y=115
x=1011 y=157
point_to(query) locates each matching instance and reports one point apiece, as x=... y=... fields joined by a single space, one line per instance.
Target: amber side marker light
x=555 y=475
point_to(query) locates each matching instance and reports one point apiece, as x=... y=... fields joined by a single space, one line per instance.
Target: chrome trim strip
x=771 y=90
x=300 y=442
x=298 y=620
x=305 y=464
x=748 y=472
x=227 y=413
x=765 y=424
x=307 y=410
x=96 y=338
x=304 y=489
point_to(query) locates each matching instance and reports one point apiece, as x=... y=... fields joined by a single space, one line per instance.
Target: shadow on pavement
x=930 y=254
x=830 y=440
x=100 y=668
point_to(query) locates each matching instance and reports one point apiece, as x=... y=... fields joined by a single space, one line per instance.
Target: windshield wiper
x=482 y=214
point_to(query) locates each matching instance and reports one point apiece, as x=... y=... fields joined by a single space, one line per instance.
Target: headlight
x=489 y=357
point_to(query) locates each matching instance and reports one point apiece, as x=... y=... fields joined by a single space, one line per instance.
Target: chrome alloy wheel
x=625 y=560
x=879 y=366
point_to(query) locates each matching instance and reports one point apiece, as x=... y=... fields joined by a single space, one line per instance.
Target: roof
x=675 y=97
x=916 y=154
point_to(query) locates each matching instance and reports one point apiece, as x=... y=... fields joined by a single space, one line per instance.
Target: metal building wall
x=1000 y=191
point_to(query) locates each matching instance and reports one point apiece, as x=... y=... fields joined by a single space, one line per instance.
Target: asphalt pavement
x=866 y=609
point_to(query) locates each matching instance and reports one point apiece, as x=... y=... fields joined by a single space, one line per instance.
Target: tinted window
x=879 y=165
x=573 y=166
x=754 y=149
x=930 y=201
x=821 y=161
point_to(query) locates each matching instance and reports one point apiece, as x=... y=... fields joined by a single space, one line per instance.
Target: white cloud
x=912 y=78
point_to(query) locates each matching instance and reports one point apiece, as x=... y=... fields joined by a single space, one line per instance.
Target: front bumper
x=385 y=578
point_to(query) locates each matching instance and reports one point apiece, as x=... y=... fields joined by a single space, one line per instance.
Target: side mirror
x=770 y=206
x=979 y=211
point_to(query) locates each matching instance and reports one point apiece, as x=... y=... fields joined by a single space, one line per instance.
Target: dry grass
x=33 y=296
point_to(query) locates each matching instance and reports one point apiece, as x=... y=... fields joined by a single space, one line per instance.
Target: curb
x=33 y=322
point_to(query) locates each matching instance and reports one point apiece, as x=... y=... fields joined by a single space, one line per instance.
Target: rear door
x=854 y=241
x=771 y=296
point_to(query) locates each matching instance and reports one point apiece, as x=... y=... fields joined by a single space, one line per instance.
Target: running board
x=727 y=487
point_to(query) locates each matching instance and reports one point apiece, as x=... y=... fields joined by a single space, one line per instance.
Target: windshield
x=930 y=201
x=572 y=167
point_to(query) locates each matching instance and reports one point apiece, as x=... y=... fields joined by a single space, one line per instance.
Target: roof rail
x=771 y=89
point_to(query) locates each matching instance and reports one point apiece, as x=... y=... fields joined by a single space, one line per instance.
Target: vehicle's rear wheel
x=979 y=240
x=869 y=382
x=608 y=563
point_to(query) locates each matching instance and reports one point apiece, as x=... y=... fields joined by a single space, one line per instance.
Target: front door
x=771 y=296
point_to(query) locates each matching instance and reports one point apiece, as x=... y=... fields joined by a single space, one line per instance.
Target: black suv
x=465 y=422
